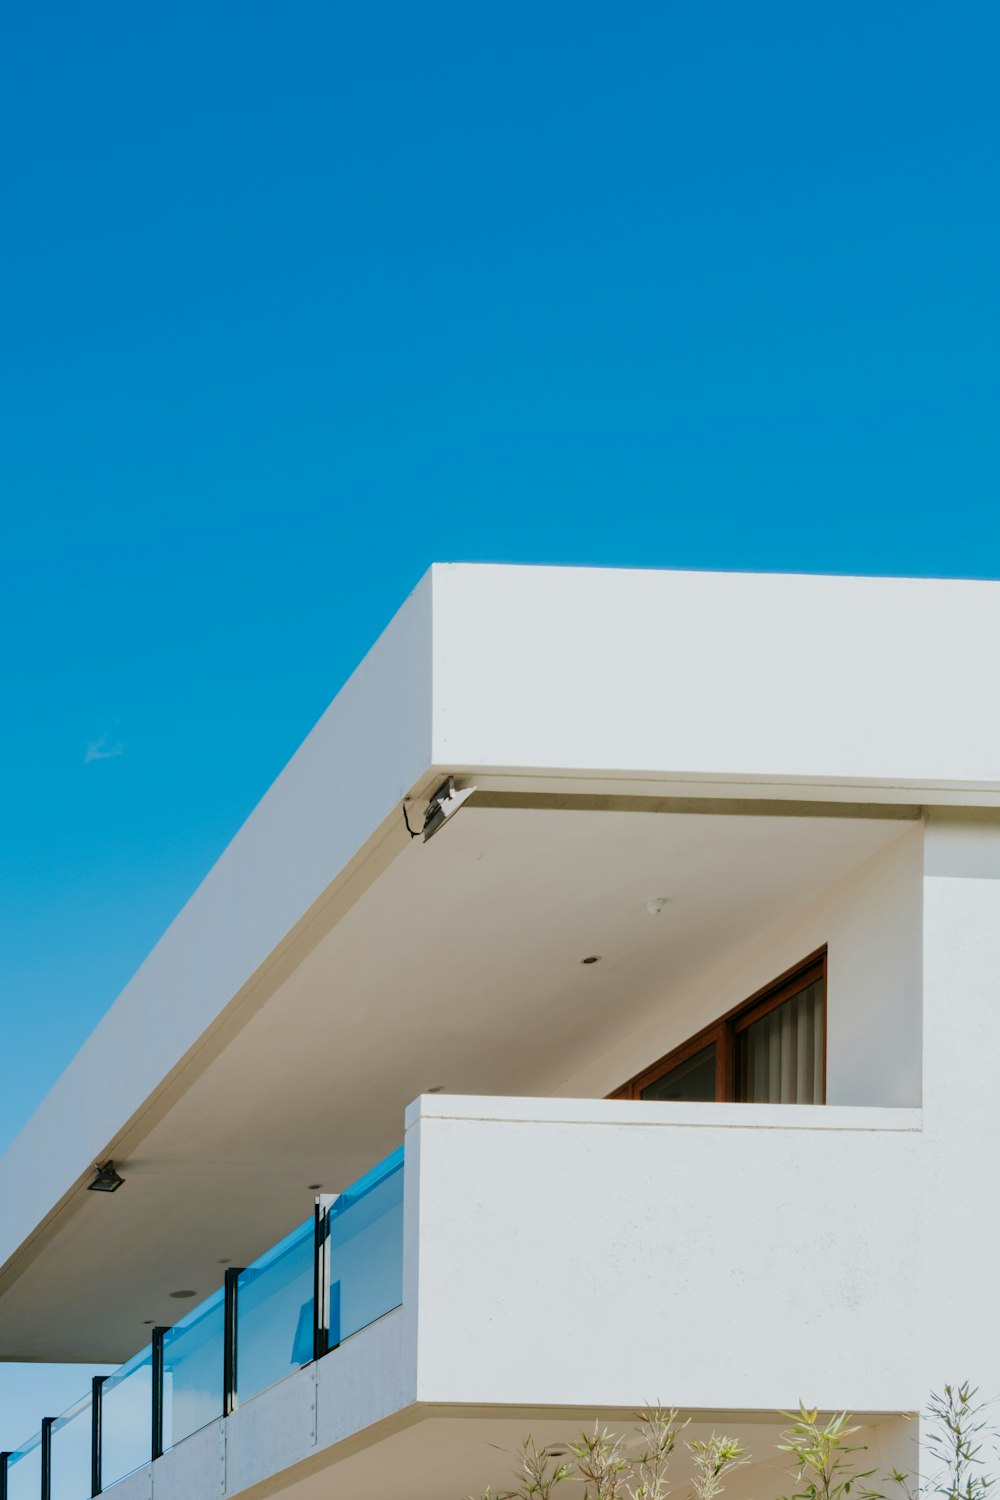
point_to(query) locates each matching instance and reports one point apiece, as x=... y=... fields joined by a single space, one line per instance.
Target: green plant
x=536 y=1474
x=956 y=1432
x=659 y=1431
x=823 y=1461
x=613 y=1467
x=714 y=1461
x=601 y=1464
x=824 y=1464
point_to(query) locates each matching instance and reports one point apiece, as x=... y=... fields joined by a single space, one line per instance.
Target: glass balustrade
x=24 y=1470
x=126 y=1418
x=366 y=1249
x=275 y=1313
x=71 y=1434
x=360 y=1245
x=192 y=1371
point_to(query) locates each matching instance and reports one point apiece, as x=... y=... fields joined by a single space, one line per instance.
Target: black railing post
x=230 y=1329
x=47 y=1425
x=156 y=1445
x=321 y=1274
x=96 y=1393
x=3 y=1473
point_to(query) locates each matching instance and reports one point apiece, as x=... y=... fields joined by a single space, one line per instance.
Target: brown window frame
x=724 y=1031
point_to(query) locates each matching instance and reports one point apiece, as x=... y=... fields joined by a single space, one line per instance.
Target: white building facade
x=662 y=1070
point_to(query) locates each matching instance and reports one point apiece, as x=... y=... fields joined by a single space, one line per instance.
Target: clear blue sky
x=299 y=298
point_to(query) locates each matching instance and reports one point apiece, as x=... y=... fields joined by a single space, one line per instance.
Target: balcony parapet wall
x=611 y=1253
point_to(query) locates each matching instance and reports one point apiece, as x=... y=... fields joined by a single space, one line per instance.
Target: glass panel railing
x=24 y=1470
x=71 y=1453
x=363 y=1246
x=366 y=1249
x=126 y=1420
x=192 y=1371
x=275 y=1313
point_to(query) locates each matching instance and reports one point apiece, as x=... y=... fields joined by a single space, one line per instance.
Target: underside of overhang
x=427 y=1452
x=458 y=969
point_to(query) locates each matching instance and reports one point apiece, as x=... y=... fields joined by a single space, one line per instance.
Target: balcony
x=331 y=1277
x=544 y=1256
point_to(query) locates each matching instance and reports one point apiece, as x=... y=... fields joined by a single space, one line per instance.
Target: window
x=769 y=1050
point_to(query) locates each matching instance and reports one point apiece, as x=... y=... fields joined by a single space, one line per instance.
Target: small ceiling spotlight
x=657 y=904
x=183 y=1294
x=444 y=805
x=435 y=1088
x=592 y=958
x=106 y=1180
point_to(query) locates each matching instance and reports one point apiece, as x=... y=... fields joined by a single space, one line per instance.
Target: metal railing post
x=156 y=1444
x=230 y=1330
x=96 y=1392
x=3 y=1473
x=321 y=1274
x=47 y=1425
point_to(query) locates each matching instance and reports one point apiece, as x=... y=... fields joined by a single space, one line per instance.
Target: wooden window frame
x=724 y=1031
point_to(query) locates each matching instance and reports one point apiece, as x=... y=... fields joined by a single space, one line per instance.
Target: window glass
x=769 y=1050
x=690 y=1081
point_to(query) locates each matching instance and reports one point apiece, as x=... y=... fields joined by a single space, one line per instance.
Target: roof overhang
x=330 y=967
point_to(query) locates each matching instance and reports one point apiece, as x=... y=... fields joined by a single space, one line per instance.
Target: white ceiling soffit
x=458 y=967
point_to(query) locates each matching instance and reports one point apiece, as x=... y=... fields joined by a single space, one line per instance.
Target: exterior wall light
x=444 y=804
x=106 y=1180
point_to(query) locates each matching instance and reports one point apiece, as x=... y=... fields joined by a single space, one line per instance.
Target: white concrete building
x=666 y=1070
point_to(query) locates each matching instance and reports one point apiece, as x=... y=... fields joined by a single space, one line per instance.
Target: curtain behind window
x=779 y=1059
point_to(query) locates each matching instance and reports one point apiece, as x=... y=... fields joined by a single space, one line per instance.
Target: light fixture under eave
x=107 y=1180
x=444 y=804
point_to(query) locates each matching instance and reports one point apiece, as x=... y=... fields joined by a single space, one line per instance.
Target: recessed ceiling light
x=224 y=1261
x=437 y=1088
x=656 y=905
x=592 y=958
x=184 y=1292
x=314 y=1187
x=147 y=1322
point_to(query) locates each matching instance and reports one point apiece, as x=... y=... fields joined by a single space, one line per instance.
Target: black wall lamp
x=106 y=1180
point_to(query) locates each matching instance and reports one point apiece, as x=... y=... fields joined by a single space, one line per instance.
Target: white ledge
x=630 y=1112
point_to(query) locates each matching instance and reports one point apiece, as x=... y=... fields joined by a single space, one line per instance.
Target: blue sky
x=299 y=299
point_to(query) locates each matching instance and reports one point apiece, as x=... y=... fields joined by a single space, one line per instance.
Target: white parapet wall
x=755 y=676
x=602 y=1253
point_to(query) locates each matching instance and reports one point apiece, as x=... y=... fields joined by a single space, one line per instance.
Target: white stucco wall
x=607 y=1253
x=960 y=1290
x=871 y=924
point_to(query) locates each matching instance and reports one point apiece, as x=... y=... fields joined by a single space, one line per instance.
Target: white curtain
x=782 y=1060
